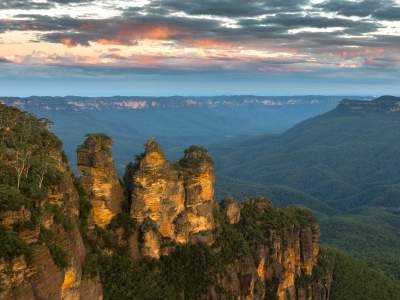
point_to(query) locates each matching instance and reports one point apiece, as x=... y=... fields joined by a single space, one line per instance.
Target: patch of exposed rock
x=231 y=210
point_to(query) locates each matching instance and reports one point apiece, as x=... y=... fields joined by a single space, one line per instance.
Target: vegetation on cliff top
x=28 y=170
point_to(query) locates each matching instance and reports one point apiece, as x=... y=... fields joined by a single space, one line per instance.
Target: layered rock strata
x=39 y=277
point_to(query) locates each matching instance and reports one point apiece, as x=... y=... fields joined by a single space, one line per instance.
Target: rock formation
x=275 y=267
x=156 y=189
x=99 y=178
x=232 y=210
x=178 y=198
x=196 y=222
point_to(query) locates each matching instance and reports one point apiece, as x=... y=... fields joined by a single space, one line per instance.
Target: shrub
x=11 y=198
x=59 y=255
x=11 y=246
x=91 y=266
x=60 y=217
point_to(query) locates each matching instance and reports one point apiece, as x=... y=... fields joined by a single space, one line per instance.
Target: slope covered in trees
x=336 y=164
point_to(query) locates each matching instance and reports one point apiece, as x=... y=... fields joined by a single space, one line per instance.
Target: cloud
x=378 y=9
x=247 y=36
x=23 y=4
x=4 y=60
x=226 y=8
x=29 y=4
x=131 y=27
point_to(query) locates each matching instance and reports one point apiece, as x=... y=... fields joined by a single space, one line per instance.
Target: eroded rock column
x=99 y=178
x=156 y=189
x=197 y=221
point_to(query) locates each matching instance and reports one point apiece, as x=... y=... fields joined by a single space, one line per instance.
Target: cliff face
x=51 y=239
x=177 y=198
x=175 y=203
x=281 y=262
x=99 y=178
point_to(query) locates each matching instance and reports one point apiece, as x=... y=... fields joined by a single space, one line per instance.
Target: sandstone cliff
x=278 y=258
x=196 y=222
x=156 y=189
x=177 y=198
x=50 y=267
x=99 y=178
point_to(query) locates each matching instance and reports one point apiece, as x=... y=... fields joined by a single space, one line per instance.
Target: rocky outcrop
x=156 y=189
x=196 y=222
x=175 y=202
x=10 y=217
x=281 y=261
x=178 y=198
x=231 y=210
x=99 y=178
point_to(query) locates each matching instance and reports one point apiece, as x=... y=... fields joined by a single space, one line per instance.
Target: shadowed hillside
x=336 y=164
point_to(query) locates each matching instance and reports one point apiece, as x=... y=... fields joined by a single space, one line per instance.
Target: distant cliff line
x=76 y=103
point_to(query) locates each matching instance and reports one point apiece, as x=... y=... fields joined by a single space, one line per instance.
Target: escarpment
x=42 y=252
x=165 y=238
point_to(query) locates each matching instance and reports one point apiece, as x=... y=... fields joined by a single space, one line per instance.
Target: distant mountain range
x=75 y=103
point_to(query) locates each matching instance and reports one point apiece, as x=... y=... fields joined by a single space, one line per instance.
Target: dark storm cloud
x=351 y=8
x=39 y=23
x=127 y=31
x=389 y=14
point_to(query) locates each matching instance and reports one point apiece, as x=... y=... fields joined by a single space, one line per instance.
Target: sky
x=193 y=47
